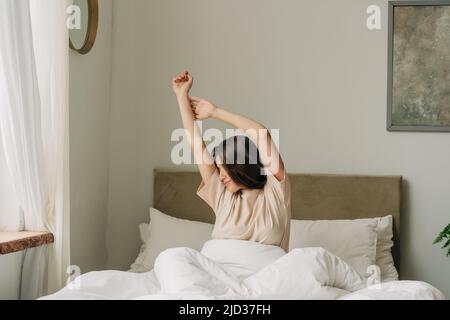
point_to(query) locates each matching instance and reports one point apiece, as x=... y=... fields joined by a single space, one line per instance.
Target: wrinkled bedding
x=237 y=269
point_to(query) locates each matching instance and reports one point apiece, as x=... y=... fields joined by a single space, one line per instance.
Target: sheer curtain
x=51 y=38
x=34 y=123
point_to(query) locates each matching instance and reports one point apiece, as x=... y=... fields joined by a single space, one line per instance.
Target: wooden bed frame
x=314 y=197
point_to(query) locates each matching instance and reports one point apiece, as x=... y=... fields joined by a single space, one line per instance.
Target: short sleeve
x=280 y=189
x=212 y=191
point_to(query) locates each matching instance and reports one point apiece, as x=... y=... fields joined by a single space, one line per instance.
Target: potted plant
x=444 y=236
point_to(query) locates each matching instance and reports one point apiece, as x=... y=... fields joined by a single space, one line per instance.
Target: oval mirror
x=84 y=25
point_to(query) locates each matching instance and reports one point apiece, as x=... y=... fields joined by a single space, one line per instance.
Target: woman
x=247 y=256
x=251 y=201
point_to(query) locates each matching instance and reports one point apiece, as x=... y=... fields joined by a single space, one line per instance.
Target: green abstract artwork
x=420 y=87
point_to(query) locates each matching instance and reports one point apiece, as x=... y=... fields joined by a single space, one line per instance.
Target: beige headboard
x=314 y=197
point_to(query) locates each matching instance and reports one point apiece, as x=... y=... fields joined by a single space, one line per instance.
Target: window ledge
x=18 y=241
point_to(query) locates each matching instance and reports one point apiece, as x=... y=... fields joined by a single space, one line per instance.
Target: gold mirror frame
x=92 y=27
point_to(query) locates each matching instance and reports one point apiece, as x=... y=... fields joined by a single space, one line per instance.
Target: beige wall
x=90 y=78
x=309 y=68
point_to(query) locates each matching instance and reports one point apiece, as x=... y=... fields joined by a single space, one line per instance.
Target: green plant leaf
x=444 y=235
x=447 y=229
x=446 y=244
x=437 y=240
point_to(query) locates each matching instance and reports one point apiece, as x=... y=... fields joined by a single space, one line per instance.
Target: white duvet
x=237 y=269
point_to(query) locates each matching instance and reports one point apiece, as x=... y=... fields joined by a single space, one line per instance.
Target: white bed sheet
x=117 y=285
x=235 y=269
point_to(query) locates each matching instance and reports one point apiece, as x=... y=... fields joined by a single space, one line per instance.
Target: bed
x=317 y=199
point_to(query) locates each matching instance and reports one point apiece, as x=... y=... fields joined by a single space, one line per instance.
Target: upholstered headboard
x=314 y=197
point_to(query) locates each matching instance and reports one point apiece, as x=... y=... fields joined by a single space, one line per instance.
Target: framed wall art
x=419 y=66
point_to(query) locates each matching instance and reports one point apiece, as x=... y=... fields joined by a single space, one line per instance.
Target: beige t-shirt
x=262 y=215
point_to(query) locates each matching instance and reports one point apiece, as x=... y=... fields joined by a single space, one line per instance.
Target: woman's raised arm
x=182 y=84
x=268 y=151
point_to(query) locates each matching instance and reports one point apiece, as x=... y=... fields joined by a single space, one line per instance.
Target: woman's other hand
x=182 y=83
x=202 y=108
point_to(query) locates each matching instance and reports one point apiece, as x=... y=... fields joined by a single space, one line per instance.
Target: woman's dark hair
x=240 y=158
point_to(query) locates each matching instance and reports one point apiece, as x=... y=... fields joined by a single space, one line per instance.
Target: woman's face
x=227 y=181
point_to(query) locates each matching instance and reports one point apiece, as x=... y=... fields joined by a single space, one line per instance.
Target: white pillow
x=354 y=241
x=384 y=257
x=138 y=264
x=166 y=232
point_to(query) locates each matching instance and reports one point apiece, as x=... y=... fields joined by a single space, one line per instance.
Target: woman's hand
x=182 y=83
x=202 y=108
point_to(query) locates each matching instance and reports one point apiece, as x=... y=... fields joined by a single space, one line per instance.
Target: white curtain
x=34 y=119
x=20 y=112
x=51 y=38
